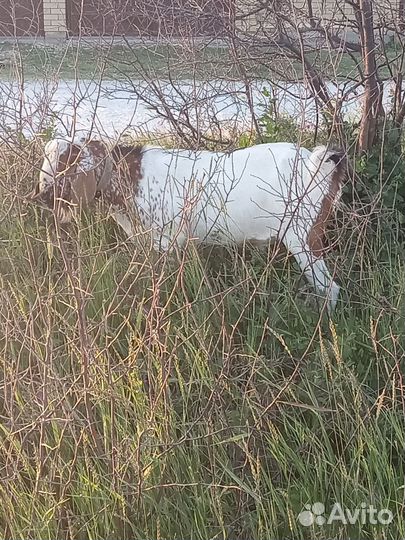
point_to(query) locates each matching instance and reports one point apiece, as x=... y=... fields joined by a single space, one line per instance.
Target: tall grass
x=199 y=398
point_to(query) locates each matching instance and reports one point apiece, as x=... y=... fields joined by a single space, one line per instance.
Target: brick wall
x=55 y=18
x=252 y=19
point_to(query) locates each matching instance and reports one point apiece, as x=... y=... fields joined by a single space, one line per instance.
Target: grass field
x=203 y=398
x=202 y=61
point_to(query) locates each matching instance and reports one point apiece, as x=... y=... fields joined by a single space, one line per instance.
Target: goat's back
x=248 y=193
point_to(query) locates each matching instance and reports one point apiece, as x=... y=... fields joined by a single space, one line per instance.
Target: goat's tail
x=329 y=163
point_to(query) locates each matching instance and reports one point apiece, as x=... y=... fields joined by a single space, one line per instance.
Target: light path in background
x=111 y=108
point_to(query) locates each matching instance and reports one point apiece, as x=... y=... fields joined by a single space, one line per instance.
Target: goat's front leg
x=316 y=271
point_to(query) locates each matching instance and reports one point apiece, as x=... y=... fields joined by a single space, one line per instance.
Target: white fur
x=258 y=193
x=53 y=149
x=262 y=192
x=87 y=161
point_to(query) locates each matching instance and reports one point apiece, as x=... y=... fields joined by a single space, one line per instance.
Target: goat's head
x=67 y=179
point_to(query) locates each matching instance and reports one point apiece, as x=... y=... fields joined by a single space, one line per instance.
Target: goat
x=275 y=190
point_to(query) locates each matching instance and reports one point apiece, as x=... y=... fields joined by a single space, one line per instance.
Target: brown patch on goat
x=97 y=148
x=65 y=187
x=82 y=185
x=126 y=174
x=316 y=235
x=61 y=188
x=67 y=159
x=66 y=165
x=99 y=152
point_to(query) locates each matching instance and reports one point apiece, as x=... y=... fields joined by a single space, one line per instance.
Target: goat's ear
x=84 y=187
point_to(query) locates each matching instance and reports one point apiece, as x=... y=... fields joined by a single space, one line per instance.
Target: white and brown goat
x=266 y=191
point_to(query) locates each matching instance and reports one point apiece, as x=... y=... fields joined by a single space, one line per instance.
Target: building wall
x=49 y=17
x=54 y=18
x=250 y=18
x=21 y=18
x=147 y=18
